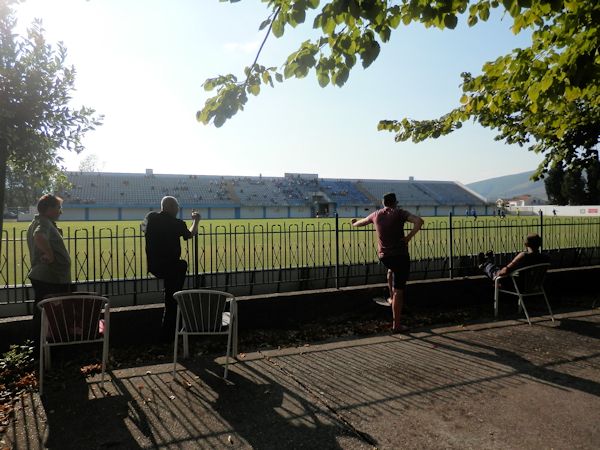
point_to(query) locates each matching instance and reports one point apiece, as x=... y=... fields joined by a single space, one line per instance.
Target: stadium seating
x=146 y=190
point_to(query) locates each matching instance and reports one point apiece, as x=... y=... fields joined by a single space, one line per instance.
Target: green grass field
x=115 y=249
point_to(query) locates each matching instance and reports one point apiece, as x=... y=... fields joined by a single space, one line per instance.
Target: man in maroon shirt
x=392 y=247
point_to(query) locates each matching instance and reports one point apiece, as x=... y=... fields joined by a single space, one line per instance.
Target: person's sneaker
x=382 y=301
x=399 y=329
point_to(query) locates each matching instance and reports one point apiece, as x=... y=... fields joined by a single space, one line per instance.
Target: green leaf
x=277 y=28
x=323 y=79
x=254 y=89
x=484 y=12
x=385 y=34
x=547 y=81
x=450 y=21
x=329 y=26
x=340 y=77
x=472 y=21
x=279 y=77
x=264 y=24
x=208 y=85
x=370 y=54
x=298 y=14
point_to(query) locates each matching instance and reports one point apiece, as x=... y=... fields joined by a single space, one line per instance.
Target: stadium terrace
x=128 y=196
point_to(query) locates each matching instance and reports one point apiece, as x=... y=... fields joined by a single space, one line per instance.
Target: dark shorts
x=400 y=267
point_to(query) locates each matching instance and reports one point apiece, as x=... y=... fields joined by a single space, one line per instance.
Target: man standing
x=50 y=271
x=163 y=249
x=392 y=247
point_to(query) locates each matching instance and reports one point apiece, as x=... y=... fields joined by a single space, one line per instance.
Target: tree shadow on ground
x=581 y=327
x=81 y=415
x=521 y=365
x=268 y=414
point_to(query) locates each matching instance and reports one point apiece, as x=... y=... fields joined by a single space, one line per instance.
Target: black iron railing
x=280 y=256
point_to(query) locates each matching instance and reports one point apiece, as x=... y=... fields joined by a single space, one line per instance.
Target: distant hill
x=509 y=186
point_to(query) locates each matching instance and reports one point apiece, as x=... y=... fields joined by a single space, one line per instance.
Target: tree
x=573 y=188
x=544 y=96
x=36 y=120
x=553 y=183
x=593 y=183
x=89 y=164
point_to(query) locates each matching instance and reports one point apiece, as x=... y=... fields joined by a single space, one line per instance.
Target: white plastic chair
x=526 y=282
x=73 y=319
x=205 y=312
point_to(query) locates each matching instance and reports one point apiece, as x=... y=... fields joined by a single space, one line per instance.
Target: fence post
x=196 y=279
x=337 y=251
x=450 y=247
x=542 y=229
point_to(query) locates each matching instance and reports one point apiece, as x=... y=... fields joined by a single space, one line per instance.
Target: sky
x=142 y=64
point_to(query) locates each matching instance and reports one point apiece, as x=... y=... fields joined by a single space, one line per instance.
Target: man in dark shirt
x=530 y=257
x=163 y=249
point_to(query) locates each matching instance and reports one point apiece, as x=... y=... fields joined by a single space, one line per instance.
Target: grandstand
x=129 y=196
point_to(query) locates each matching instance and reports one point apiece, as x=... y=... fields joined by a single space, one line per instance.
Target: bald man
x=163 y=249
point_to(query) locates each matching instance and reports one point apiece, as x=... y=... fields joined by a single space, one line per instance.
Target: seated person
x=530 y=257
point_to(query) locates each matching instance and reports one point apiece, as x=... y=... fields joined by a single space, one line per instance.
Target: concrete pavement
x=487 y=386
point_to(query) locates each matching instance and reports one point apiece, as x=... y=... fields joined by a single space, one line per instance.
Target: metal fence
x=250 y=258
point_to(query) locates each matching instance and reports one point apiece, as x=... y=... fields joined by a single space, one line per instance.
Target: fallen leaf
x=148 y=372
x=230 y=439
x=172 y=397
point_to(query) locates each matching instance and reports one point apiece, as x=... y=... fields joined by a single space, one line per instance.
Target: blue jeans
x=490 y=269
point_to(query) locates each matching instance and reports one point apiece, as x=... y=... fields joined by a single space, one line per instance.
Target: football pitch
x=104 y=250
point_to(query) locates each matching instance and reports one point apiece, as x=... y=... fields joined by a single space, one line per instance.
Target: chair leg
x=496 y=296
x=104 y=359
x=186 y=346
x=235 y=336
x=228 y=352
x=522 y=306
x=175 y=353
x=41 y=375
x=47 y=360
x=548 y=304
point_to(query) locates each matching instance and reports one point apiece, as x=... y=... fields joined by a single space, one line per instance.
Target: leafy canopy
x=36 y=119
x=544 y=96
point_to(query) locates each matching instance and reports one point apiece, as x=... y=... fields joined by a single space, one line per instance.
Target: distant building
x=526 y=200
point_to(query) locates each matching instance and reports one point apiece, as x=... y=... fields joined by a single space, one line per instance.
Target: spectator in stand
x=393 y=248
x=529 y=257
x=50 y=271
x=163 y=231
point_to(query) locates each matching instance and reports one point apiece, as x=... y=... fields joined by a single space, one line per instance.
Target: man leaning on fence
x=50 y=271
x=392 y=248
x=163 y=231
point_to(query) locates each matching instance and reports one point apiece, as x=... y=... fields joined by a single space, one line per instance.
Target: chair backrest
x=204 y=310
x=73 y=318
x=530 y=279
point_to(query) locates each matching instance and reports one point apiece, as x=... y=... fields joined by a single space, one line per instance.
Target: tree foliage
x=36 y=119
x=553 y=183
x=572 y=186
x=544 y=96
